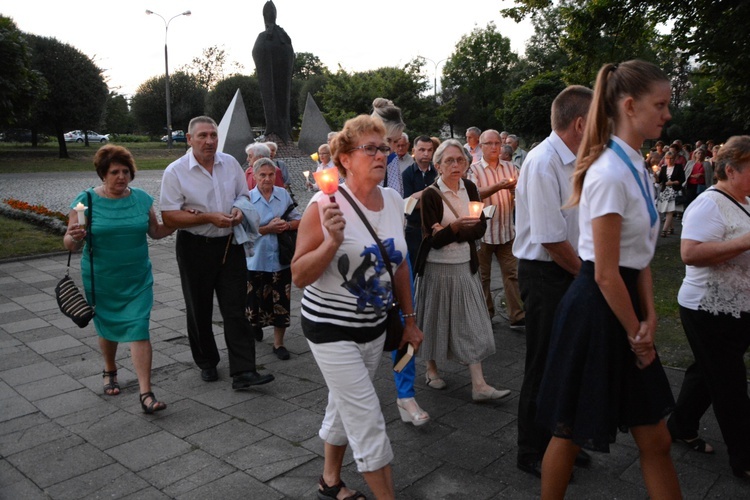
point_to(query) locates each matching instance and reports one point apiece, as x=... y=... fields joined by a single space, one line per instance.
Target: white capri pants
x=353 y=414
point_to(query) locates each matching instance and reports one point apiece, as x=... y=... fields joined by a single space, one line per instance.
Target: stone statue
x=274 y=61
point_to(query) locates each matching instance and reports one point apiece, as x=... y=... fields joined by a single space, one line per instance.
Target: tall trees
x=219 y=98
x=20 y=84
x=476 y=77
x=149 y=102
x=77 y=91
x=118 y=118
x=209 y=68
x=527 y=107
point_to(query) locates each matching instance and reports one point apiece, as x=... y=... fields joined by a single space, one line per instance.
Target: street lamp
x=436 y=67
x=166 y=71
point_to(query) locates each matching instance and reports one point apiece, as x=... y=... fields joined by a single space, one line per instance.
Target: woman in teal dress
x=121 y=217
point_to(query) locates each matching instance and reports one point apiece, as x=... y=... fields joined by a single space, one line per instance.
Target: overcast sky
x=129 y=45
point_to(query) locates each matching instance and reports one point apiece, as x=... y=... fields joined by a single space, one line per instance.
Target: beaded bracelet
x=410 y=315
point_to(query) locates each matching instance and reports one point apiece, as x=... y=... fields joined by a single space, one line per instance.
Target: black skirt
x=591 y=385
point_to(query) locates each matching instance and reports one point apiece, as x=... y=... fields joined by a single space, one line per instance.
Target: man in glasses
x=496 y=180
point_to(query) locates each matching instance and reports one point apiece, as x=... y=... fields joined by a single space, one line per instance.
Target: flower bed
x=38 y=215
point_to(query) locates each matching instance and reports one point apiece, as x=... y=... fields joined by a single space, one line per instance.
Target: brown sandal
x=327 y=492
x=111 y=386
x=152 y=407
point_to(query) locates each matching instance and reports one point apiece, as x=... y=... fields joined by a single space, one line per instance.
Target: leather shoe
x=533 y=467
x=246 y=379
x=489 y=394
x=209 y=374
x=257 y=333
x=281 y=353
x=583 y=459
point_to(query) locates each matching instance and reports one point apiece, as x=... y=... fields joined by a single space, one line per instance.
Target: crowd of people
x=573 y=223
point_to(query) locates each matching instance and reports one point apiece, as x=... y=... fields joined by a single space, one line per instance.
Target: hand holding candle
x=328 y=181
x=475 y=208
x=81 y=211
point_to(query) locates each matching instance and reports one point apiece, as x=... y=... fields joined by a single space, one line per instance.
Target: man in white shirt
x=496 y=180
x=472 y=144
x=198 y=194
x=546 y=246
x=519 y=155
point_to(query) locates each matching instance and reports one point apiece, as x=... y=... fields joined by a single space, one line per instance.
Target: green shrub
x=129 y=138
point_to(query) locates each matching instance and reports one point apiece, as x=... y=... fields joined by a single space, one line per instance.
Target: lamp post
x=436 y=68
x=166 y=71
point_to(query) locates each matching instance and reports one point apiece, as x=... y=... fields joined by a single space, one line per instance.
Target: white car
x=77 y=136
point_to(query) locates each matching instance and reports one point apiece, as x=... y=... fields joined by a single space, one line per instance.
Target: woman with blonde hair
x=603 y=372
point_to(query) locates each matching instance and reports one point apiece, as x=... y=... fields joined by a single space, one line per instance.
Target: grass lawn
x=19 y=239
x=23 y=158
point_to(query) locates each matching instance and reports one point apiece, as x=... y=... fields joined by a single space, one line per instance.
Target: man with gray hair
x=199 y=195
x=519 y=155
x=472 y=144
x=546 y=245
x=405 y=160
x=506 y=153
x=256 y=151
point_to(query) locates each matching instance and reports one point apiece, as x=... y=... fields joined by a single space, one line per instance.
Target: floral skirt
x=269 y=297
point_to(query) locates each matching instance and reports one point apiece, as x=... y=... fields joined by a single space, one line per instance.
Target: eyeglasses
x=449 y=162
x=371 y=150
x=492 y=144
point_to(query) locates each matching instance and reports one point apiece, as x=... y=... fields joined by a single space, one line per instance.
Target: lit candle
x=475 y=208
x=328 y=181
x=306 y=173
x=315 y=157
x=81 y=210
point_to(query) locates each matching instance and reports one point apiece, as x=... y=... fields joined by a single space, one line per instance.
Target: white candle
x=475 y=208
x=81 y=210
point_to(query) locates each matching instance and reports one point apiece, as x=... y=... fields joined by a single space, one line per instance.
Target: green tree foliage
x=307 y=65
x=77 y=92
x=476 y=77
x=210 y=67
x=118 y=119
x=347 y=95
x=20 y=85
x=149 y=103
x=222 y=94
x=527 y=108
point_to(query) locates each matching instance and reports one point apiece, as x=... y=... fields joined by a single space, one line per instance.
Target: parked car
x=177 y=136
x=78 y=136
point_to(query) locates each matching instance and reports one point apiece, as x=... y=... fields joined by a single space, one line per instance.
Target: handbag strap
x=445 y=200
x=732 y=200
x=383 y=251
x=288 y=210
x=90 y=245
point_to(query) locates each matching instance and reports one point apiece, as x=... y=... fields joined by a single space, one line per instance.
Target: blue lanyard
x=649 y=202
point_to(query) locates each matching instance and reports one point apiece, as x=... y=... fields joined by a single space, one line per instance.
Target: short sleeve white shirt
x=611 y=188
x=544 y=187
x=187 y=185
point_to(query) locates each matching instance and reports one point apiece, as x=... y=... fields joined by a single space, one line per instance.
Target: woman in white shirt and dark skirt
x=602 y=372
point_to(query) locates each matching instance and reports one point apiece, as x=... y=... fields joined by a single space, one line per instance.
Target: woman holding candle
x=347 y=290
x=121 y=217
x=602 y=371
x=269 y=282
x=671 y=177
x=450 y=304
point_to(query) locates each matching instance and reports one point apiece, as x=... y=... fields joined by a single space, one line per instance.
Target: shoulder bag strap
x=732 y=200
x=383 y=251
x=288 y=210
x=90 y=246
x=433 y=186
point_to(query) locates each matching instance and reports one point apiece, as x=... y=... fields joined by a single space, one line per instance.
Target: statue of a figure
x=274 y=60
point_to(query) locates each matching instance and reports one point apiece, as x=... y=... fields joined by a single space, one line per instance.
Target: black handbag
x=71 y=301
x=394 y=327
x=287 y=240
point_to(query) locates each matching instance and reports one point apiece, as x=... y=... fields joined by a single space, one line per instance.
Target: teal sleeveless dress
x=123 y=280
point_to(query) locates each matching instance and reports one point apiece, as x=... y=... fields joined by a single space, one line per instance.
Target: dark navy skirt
x=592 y=386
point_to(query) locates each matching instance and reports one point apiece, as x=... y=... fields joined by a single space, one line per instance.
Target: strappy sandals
x=154 y=405
x=111 y=388
x=327 y=492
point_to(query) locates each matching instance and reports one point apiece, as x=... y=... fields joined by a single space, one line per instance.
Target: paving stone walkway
x=61 y=438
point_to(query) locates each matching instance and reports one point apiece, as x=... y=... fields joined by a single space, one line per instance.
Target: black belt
x=205 y=240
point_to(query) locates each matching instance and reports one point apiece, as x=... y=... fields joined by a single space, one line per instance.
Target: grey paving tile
x=148 y=451
x=222 y=439
x=187 y=417
x=186 y=472
x=14 y=407
x=110 y=430
x=9 y=306
x=23 y=325
x=30 y=373
x=24 y=489
x=454 y=482
x=47 y=387
x=465 y=449
x=260 y=409
x=110 y=481
x=297 y=426
x=28 y=432
x=59 y=460
x=54 y=344
x=237 y=486
x=32 y=299
x=269 y=458
x=70 y=402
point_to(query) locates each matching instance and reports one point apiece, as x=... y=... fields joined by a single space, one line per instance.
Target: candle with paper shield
x=81 y=211
x=328 y=181
x=475 y=208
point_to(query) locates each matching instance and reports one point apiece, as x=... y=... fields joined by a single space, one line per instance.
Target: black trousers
x=542 y=286
x=413 y=236
x=202 y=273
x=717 y=377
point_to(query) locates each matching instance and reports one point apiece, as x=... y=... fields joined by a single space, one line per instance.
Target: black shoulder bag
x=71 y=301
x=394 y=328
x=287 y=239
